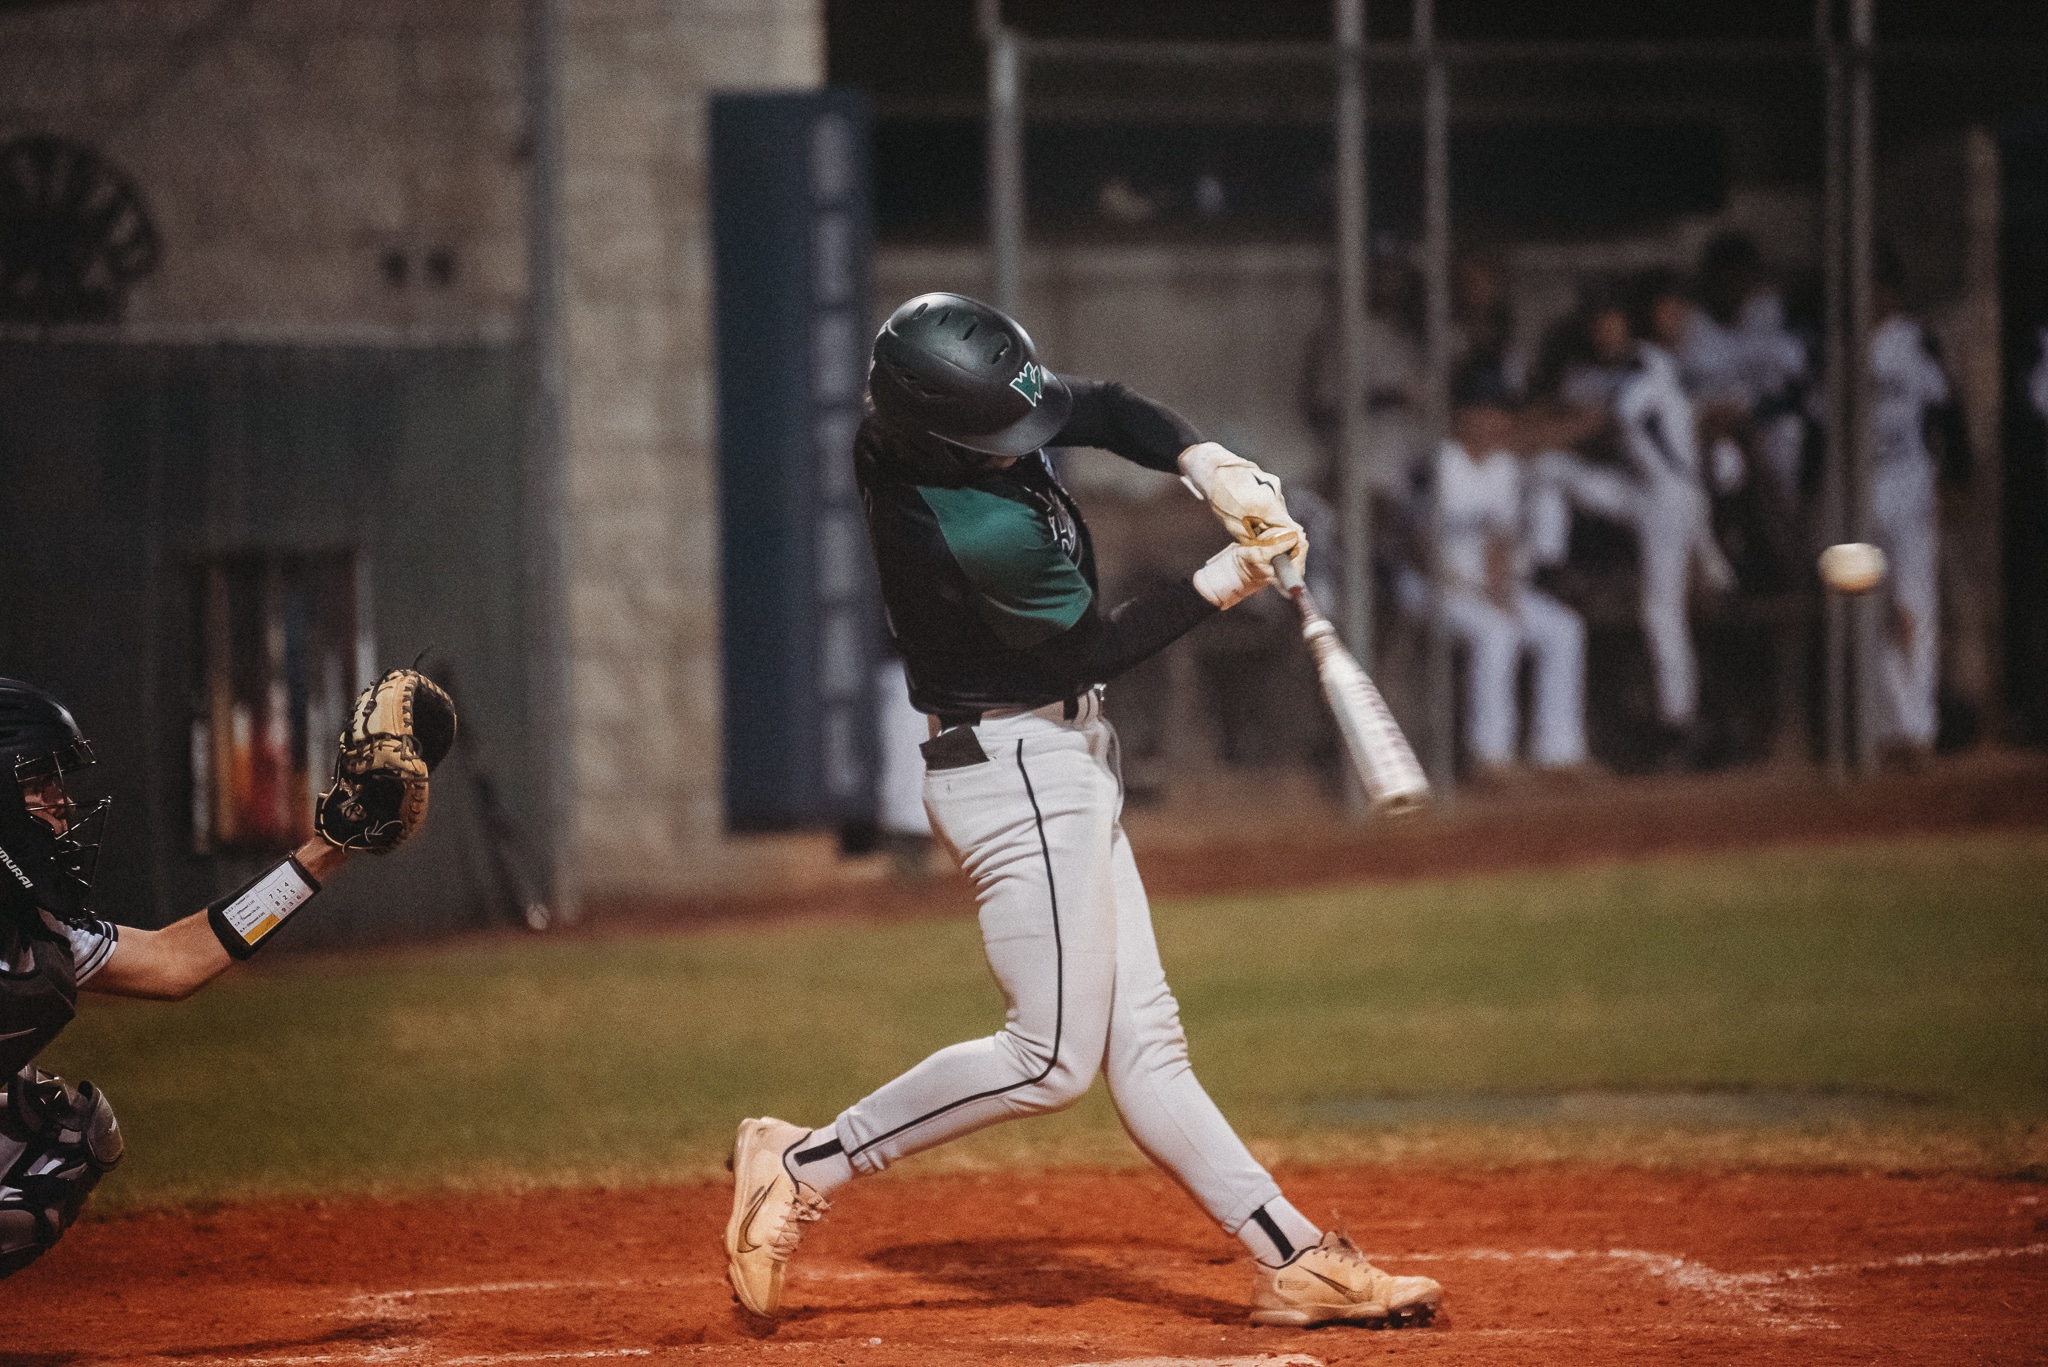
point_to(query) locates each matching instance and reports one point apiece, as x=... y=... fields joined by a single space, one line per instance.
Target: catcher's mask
x=52 y=840
x=965 y=373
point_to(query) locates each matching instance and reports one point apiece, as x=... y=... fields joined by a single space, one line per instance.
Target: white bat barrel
x=1385 y=763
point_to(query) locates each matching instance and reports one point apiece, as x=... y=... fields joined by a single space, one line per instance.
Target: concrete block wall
x=643 y=555
x=290 y=151
x=287 y=150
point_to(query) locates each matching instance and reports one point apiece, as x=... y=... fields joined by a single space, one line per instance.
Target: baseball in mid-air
x=1852 y=567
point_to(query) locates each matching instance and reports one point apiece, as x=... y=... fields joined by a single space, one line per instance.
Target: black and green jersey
x=989 y=575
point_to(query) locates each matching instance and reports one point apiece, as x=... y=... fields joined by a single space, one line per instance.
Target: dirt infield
x=1593 y=1267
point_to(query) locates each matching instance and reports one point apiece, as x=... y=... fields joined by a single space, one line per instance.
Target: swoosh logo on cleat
x=1365 y=1307
x=747 y=1245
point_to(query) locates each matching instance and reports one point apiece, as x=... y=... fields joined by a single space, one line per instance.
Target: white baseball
x=1852 y=567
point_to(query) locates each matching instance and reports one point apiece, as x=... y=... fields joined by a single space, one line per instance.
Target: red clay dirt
x=1539 y=1264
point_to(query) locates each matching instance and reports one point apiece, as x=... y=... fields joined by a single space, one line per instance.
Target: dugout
x=1891 y=117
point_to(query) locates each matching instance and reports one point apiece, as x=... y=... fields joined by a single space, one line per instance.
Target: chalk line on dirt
x=1697 y=1276
x=392 y=1304
x=1262 y=1360
x=1748 y=1287
x=1906 y=1260
x=389 y=1304
x=400 y=1354
x=478 y=1360
x=374 y=1301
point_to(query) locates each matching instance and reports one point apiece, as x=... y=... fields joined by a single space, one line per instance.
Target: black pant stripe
x=816 y=1152
x=1059 y=1019
x=1272 y=1229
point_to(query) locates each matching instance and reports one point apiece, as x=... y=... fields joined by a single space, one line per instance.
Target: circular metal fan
x=73 y=234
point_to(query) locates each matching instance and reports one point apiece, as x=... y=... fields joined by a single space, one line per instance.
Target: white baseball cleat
x=1334 y=1282
x=769 y=1210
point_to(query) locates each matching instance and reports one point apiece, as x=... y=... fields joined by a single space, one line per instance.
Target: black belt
x=1070 y=708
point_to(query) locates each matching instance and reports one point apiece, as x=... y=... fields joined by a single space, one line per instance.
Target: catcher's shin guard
x=56 y=1143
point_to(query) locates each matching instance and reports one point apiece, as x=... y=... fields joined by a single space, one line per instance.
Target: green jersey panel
x=1028 y=589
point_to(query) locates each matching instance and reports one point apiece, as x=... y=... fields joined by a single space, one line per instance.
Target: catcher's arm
x=400 y=728
x=173 y=963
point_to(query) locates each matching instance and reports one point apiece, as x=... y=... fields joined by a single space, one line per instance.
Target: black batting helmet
x=965 y=372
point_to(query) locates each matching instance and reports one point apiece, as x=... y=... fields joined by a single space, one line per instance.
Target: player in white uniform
x=1906 y=381
x=1488 y=602
x=1744 y=366
x=988 y=573
x=1664 y=498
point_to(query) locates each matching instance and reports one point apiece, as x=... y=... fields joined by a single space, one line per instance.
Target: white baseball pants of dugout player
x=1068 y=933
x=1495 y=638
x=1903 y=523
x=1674 y=539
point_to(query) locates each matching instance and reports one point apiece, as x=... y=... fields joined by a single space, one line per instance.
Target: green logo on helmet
x=1030 y=382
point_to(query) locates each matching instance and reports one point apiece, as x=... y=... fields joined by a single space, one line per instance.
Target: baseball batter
x=57 y=1141
x=989 y=579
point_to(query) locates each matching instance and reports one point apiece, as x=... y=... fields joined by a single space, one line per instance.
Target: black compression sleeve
x=1098 y=648
x=1108 y=416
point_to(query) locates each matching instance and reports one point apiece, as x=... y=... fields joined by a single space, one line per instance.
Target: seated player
x=1489 y=604
x=57 y=1141
x=989 y=578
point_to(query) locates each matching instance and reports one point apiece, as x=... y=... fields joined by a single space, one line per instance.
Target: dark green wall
x=120 y=463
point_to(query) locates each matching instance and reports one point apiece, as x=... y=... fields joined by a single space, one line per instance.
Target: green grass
x=1917 y=969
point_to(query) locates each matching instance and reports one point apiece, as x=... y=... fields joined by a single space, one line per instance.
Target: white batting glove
x=1234 y=574
x=1246 y=500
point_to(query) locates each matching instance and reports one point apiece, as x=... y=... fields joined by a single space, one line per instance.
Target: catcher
x=56 y=1140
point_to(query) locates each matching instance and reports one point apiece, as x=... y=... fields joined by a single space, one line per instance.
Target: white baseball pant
x=1904 y=524
x=1674 y=532
x=1068 y=934
x=1494 y=640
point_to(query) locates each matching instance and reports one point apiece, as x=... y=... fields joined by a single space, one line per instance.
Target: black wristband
x=251 y=914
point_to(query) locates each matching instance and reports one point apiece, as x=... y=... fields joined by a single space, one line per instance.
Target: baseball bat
x=1384 y=761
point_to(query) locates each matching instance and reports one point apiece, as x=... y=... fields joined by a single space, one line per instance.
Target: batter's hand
x=1245 y=499
x=1234 y=574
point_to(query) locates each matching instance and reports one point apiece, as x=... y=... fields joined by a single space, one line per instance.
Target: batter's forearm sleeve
x=1098 y=649
x=1108 y=416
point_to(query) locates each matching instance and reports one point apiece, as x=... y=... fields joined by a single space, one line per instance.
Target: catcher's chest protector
x=38 y=992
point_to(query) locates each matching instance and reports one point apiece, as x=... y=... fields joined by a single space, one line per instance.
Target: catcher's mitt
x=402 y=726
